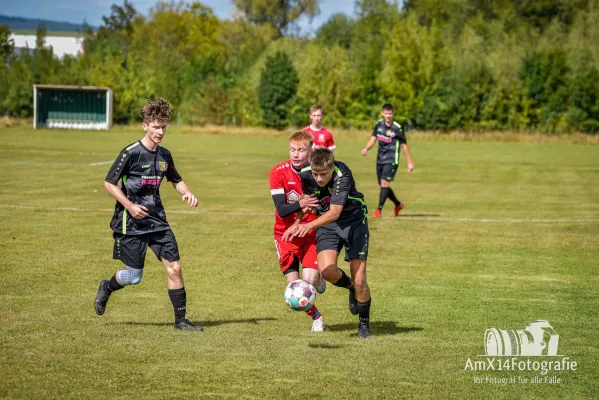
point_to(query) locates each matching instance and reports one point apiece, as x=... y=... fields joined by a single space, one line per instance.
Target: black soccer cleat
x=364 y=331
x=102 y=298
x=187 y=325
x=353 y=304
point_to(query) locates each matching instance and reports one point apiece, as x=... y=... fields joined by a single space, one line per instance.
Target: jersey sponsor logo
x=162 y=165
x=292 y=197
x=384 y=139
x=151 y=180
x=321 y=137
x=380 y=130
x=145 y=166
x=291 y=183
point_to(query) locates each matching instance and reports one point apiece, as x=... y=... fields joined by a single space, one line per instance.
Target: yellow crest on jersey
x=162 y=165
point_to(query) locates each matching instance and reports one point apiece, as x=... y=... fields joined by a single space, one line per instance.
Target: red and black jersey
x=286 y=186
x=141 y=172
x=322 y=137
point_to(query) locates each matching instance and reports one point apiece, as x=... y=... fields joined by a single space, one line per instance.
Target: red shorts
x=304 y=249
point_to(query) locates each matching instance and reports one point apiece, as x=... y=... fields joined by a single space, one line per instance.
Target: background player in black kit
x=139 y=219
x=390 y=135
x=342 y=223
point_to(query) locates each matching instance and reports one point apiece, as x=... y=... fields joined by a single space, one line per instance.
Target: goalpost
x=72 y=107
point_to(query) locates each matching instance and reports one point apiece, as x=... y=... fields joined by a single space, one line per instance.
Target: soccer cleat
x=187 y=325
x=353 y=304
x=397 y=209
x=377 y=213
x=364 y=331
x=318 y=325
x=320 y=285
x=102 y=298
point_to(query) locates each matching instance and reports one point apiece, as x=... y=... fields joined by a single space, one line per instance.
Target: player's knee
x=130 y=276
x=174 y=269
x=384 y=183
x=328 y=272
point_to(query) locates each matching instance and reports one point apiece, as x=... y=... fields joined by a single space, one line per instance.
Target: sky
x=76 y=11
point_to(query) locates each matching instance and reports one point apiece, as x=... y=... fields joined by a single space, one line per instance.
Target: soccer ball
x=300 y=295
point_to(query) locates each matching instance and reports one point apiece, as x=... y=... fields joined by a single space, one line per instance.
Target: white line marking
x=95 y=164
x=406 y=217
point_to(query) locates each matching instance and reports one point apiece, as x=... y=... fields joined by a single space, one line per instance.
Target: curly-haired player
x=139 y=220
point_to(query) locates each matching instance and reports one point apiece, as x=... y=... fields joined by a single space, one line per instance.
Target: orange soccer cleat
x=397 y=209
x=377 y=213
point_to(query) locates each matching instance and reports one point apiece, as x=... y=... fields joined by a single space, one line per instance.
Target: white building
x=61 y=45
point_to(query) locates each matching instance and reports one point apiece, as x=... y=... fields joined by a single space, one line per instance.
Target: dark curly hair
x=156 y=110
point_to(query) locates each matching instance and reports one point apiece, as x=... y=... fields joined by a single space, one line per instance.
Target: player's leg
x=164 y=245
x=328 y=245
x=357 y=254
x=363 y=299
x=131 y=250
x=391 y=195
x=383 y=185
x=311 y=274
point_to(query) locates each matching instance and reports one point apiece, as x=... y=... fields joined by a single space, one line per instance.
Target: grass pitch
x=493 y=235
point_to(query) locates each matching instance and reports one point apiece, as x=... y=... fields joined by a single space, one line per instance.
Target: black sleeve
x=402 y=136
x=284 y=209
x=341 y=187
x=119 y=168
x=306 y=188
x=374 y=130
x=172 y=175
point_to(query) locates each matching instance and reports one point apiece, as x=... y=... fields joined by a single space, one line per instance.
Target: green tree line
x=457 y=64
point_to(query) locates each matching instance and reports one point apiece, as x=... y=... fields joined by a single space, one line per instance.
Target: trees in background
x=457 y=64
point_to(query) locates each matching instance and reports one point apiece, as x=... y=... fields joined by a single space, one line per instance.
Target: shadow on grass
x=253 y=321
x=377 y=328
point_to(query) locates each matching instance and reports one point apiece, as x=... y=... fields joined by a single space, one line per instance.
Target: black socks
x=364 y=312
x=344 y=282
x=179 y=299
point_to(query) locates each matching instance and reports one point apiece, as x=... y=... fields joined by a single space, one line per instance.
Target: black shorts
x=131 y=249
x=353 y=237
x=386 y=172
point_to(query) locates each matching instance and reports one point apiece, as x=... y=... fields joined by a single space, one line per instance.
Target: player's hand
x=192 y=201
x=309 y=210
x=410 y=167
x=364 y=151
x=310 y=201
x=289 y=233
x=137 y=211
x=302 y=230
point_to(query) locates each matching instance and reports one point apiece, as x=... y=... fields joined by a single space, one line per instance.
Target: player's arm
x=173 y=176
x=284 y=209
x=135 y=210
x=119 y=170
x=331 y=144
x=369 y=145
x=185 y=193
x=406 y=150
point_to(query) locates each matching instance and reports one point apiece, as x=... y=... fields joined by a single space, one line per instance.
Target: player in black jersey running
x=390 y=135
x=139 y=219
x=341 y=223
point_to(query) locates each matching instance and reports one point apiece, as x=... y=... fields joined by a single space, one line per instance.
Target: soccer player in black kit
x=342 y=223
x=390 y=135
x=139 y=219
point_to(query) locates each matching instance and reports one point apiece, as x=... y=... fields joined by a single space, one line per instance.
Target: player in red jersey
x=322 y=137
x=286 y=191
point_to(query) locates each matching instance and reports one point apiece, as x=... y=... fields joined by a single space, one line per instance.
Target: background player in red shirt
x=286 y=191
x=322 y=137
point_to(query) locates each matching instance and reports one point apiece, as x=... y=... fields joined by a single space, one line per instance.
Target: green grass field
x=493 y=235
